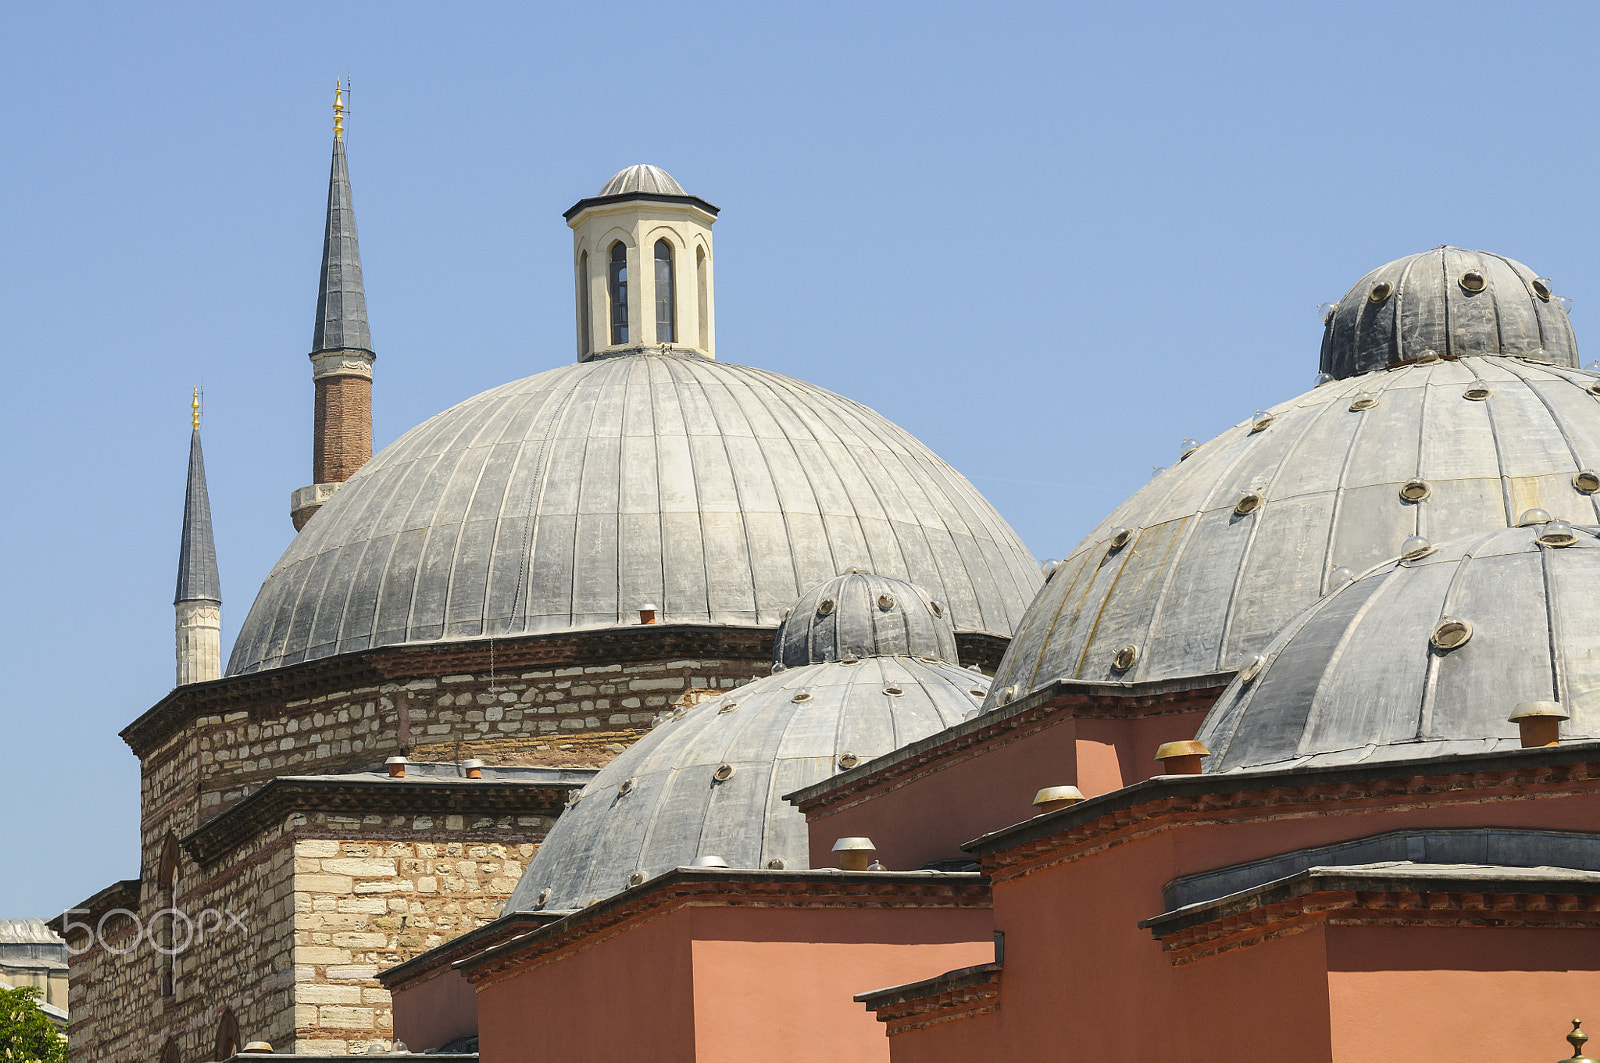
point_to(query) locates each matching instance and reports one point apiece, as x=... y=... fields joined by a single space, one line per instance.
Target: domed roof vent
x=860 y=614
x=649 y=179
x=1446 y=303
x=1425 y=658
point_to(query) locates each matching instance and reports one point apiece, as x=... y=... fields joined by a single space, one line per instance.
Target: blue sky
x=1050 y=240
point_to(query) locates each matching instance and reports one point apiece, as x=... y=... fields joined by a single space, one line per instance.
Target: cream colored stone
x=323 y=883
x=326 y=994
x=360 y=868
x=316 y=847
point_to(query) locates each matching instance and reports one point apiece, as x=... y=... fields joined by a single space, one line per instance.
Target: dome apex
x=641 y=178
x=861 y=614
x=1446 y=303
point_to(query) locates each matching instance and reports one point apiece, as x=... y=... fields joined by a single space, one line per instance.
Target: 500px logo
x=179 y=923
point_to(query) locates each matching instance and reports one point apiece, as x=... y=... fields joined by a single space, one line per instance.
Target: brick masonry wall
x=342 y=437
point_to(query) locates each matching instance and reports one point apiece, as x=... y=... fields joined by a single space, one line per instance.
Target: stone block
x=323 y=883
x=320 y=993
x=358 y=868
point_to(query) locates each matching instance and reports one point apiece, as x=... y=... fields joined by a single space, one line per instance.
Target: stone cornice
x=124 y=894
x=721 y=887
x=250 y=691
x=958 y=994
x=1025 y=716
x=1158 y=803
x=277 y=798
x=1371 y=897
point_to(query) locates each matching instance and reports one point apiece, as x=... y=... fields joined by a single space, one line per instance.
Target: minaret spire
x=198 y=600
x=341 y=345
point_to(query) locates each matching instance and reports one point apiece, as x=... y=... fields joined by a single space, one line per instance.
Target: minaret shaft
x=341 y=348
x=198 y=598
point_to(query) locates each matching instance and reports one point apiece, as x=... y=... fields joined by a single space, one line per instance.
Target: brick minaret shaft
x=341 y=348
x=198 y=599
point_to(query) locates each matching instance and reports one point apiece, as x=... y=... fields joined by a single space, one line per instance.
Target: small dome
x=1426 y=657
x=1213 y=556
x=710 y=779
x=1450 y=303
x=641 y=178
x=860 y=614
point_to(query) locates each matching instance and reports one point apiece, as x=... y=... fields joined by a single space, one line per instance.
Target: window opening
x=619 y=293
x=666 y=297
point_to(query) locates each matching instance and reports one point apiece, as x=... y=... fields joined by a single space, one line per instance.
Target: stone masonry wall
x=565 y=717
x=365 y=905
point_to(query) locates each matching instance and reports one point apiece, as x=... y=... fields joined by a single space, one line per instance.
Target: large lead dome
x=1213 y=556
x=571 y=498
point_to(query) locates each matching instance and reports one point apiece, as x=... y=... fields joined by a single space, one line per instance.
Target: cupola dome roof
x=1446 y=303
x=861 y=614
x=570 y=499
x=709 y=778
x=1215 y=554
x=641 y=178
x=1425 y=657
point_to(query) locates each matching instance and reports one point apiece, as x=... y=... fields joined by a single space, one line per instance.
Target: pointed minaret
x=341 y=347
x=198 y=600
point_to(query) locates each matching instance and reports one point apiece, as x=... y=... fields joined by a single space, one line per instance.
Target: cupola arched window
x=618 y=282
x=666 y=295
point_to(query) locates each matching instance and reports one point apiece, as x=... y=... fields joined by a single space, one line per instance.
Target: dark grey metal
x=1418 y=306
x=570 y=499
x=341 y=299
x=198 y=580
x=1384 y=876
x=1354 y=679
x=661 y=803
x=1503 y=846
x=1197 y=583
x=862 y=614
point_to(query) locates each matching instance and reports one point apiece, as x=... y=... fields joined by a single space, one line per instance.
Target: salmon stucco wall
x=1459 y=992
x=779 y=985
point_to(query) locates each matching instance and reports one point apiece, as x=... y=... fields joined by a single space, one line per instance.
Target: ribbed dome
x=1447 y=303
x=710 y=779
x=1225 y=546
x=1356 y=677
x=571 y=498
x=862 y=614
x=641 y=178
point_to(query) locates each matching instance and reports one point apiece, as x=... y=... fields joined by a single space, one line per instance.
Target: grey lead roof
x=1199 y=583
x=570 y=499
x=777 y=734
x=341 y=299
x=197 y=552
x=641 y=178
x=862 y=614
x=1355 y=678
x=1425 y=304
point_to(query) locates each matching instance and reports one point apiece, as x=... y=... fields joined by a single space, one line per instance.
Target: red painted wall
x=1082 y=979
x=777 y=985
x=929 y=818
x=1460 y=992
x=716 y=984
x=435 y=1011
x=630 y=997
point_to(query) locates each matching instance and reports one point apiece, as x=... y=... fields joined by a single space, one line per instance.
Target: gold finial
x=338 y=109
x=1576 y=1039
x=194 y=410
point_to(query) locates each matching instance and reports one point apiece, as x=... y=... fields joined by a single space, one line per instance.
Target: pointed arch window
x=617 y=278
x=227 y=1036
x=163 y=924
x=169 y=1052
x=666 y=295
